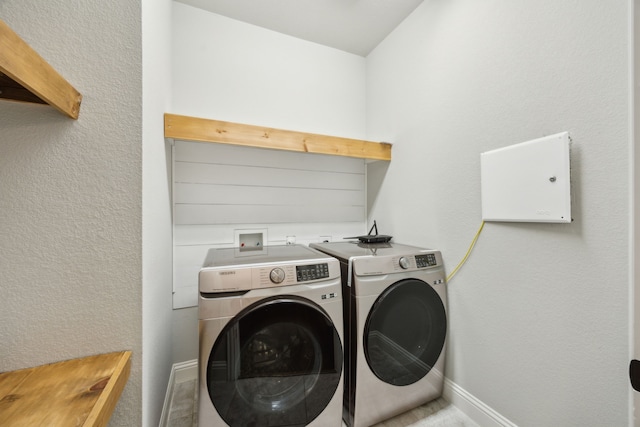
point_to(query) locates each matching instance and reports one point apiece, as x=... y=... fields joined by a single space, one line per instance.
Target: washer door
x=405 y=332
x=278 y=362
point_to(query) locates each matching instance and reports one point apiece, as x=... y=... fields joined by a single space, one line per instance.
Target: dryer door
x=405 y=332
x=278 y=362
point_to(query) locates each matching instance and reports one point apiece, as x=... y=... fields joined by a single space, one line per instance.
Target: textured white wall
x=70 y=263
x=156 y=209
x=539 y=319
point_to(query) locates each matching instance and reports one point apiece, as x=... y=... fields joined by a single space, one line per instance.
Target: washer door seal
x=405 y=332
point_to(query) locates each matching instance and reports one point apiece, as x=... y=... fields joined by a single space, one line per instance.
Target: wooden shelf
x=77 y=392
x=207 y=130
x=26 y=77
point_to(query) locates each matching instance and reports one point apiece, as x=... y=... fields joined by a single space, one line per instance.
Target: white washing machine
x=270 y=345
x=395 y=327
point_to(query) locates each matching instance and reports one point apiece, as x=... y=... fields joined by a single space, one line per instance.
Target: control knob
x=277 y=275
x=404 y=262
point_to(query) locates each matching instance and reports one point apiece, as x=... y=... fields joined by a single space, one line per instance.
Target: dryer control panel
x=426 y=260
x=377 y=265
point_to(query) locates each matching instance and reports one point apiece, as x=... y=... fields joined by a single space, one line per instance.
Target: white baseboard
x=180 y=372
x=475 y=409
x=185 y=371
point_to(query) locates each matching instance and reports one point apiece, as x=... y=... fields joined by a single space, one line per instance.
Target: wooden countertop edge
x=80 y=392
x=102 y=410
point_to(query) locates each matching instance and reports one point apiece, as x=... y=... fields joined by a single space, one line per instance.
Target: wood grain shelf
x=26 y=77
x=77 y=392
x=207 y=130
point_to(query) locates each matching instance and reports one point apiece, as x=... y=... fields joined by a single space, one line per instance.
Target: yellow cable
x=464 y=259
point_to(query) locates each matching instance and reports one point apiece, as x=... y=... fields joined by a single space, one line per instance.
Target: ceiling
x=355 y=26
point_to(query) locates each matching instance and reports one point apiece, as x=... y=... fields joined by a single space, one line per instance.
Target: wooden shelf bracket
x=207 y=130
x=26 y=77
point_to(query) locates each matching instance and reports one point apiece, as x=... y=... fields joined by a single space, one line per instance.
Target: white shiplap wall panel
x=187 y=235
x=273 y=214
x=186 y=193
x=265 y=176
x=199 y=152
x=223 y=235
x=218 y=189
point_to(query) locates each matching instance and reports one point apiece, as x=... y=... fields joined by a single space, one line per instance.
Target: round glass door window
x=277 y=363
x=405 y=332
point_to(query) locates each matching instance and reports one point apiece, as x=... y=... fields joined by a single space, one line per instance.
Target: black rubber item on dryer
x=634 y=374
x=372 y=238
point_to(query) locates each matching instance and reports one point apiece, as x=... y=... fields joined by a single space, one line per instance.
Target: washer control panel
x=277 y=275
x=312 y=272
x=267 y=276
x=228 y=270
x=304 y=273
x=291 y=274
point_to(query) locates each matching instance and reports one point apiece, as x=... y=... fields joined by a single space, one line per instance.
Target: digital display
x=312 y=272
x=426 y=260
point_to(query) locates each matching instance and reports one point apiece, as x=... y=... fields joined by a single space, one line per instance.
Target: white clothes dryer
x=270 y=345
x=395 y=327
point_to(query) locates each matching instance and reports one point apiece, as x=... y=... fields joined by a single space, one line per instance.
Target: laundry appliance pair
x=274 y=349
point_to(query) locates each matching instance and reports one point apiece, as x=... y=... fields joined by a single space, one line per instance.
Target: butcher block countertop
x=77 y=392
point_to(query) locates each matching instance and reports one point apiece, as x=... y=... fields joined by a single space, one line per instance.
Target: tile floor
x=439 y=413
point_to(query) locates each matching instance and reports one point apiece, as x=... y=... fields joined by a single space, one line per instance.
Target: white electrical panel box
x=528 y=182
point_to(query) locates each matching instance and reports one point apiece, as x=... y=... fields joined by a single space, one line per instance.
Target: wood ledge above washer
x=208 y=130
